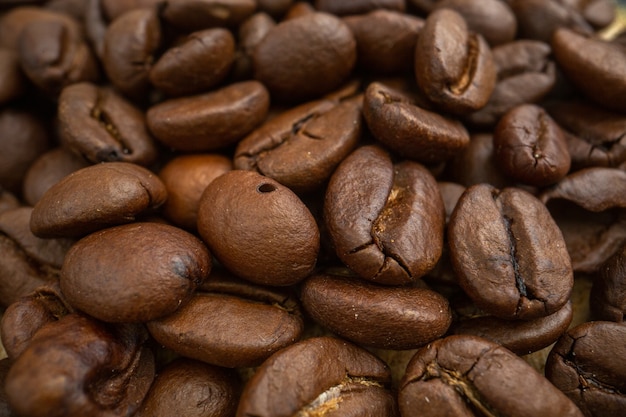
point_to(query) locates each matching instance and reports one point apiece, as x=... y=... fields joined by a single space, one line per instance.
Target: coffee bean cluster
x=325 y=208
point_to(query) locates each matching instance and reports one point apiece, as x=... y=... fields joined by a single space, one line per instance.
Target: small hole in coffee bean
x=266 y=188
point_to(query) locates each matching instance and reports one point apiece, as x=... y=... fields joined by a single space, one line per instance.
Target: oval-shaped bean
x=607 y=299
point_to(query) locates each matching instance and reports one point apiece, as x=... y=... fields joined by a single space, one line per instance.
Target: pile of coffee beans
x=324 y=208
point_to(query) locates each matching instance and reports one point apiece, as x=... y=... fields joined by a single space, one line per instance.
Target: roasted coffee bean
x=301 y=59
x=209 y=121
x=96 y=197
x=13 y=22
x=598 y=13
x=251 y=32
x=115 y=8
x=74 y=8
x=12 y=81
x=493 y=19
x=101 y=370
x=47 y=170
x=476 y=164
x=199 y=63
x=95 y=26
x=299 y=9
x=583 y=58
x=301 y=147
x=192 y=389
x=185 y=178
x=607 y=299
x=398 y=122
x=529 y=146
x=587 y=365
x=358 y=6
x=453 y=66
x=471 y=376
x=276 y=8
x=509 y=254
x=385 y=40
x=375 y=316
x=102 y=126
x=386 y=220
x=350 y=382
x=104 y=277
x=450 y=194
x=539 y=19
x=191 y=15
x=130 y=45
x=258 y=229
x=231 y=323
x=8 y=201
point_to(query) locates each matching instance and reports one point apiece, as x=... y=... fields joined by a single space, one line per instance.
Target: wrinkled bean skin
x=292 y=381
x=104 y=277
x=587 y=364
x=608 y=293
x=241 y=211
x=509 y=254
x=385 y=220
x=370 y=315
x=471 y=376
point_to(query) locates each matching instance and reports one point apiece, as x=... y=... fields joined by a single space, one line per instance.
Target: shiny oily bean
x=530 y=147
x=398 y=122
x=385 y=220
x=453 y=66
x=258 y=229
x=301 y=147
x=607 y=298
x=509 y=254
x=291 y=382
x=106 y=277
x=102 y=126
x=471 y=376
x=96 y=197
x=209 y=121
x=383 y=317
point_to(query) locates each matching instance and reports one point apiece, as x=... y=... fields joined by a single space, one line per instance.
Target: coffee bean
x=476 y=164
x=191 y=15
x=509 y=254
x=358 y=6
x=608 y=294
x=12 y=81
x=251 y=32
x=539 y=19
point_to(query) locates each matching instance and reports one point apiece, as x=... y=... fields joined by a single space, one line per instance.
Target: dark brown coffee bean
x=608 y=294
x=12 y=81
x=385 y=40
x=247 y=323
x=251 y=32
x=453 y=66
x=587 y=364
x=192 y=389
x=209 y=121
x=539 y=19
x=386 y=220
x=598 y=13
x=185 y=178
x=350 y=382
x=199 y=63
x=102 y=126
x=258 y=229
x=100 y=370
x=95 y=26
x=358 y=6
x=583 y=58
x=476 y=164
x=13 y=22
x=191 y=15
x=275 y=8
x=450 y=194
x=115 y=8
x=529 y=146
x=301 y=147
x=397 y=120
x=299 y=9
x=96 y=197
x=301 y=59
x=493 y=19
x=105 y=277
x=130 y=45
x=471 y=376
x=370 y=315
x=509 y=254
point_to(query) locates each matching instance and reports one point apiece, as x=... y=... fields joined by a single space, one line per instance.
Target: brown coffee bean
x=351 y=381
x=299 y=9
x=192 y=389
x=386 y=220
x=607 y=299
x=199 y=63
x=8 y=201
x=598 y=13
x=185 y=178
x=96 y=197
x=301 y=59
x=275 y=8
x=209 y=121
x=471 y=376
x=105 y=277
x=509 y=254
x=397 y=120
x=102 y=126
x=529 y=146
x=301 y=147
x=95 y=26
x=100 y=370
x=12 y=81
x=453 y=66
x=115 y=8
x=587 y=365
x=370 y=315
x=476 y=164
x=247 y=323
x=358 y=6
x=539 y=19
x=250 y=33
x=450 y=194
x=258 y=229
x=191 y=15
x=13 y=22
